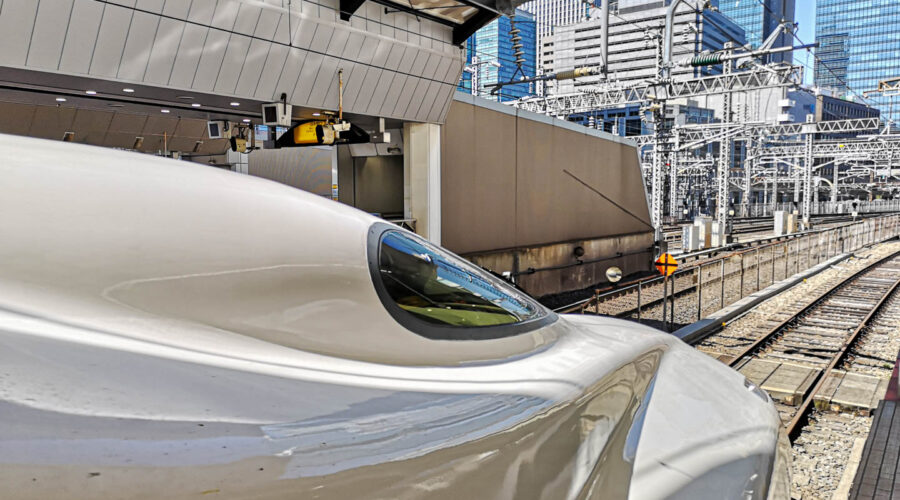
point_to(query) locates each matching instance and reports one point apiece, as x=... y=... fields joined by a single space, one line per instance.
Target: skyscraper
x=632 y=52
x=491 y=59
x=760 y=18
x=549 y=14
x=859 y=44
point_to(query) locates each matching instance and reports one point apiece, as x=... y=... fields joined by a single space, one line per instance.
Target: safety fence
x=698 y=289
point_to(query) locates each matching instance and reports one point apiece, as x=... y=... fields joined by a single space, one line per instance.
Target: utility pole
x=724 y=147
x=809 y=134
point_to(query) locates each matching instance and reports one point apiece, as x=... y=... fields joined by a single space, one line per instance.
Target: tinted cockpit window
x=440 y=288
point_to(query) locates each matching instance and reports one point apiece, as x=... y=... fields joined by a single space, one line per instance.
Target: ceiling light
x=164 y=110
x=235 y=104
x=60 y=99
x=246 y=120
x=185 y=97
x=90 y=92
x=195 y=105
x=317 y=114
x=128 y=90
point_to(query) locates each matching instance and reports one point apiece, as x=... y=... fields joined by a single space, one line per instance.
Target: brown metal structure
x=521 y=191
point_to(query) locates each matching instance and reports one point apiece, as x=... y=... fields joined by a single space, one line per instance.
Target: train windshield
x=443 y=289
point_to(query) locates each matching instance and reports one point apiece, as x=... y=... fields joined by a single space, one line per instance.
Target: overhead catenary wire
x=816 y=57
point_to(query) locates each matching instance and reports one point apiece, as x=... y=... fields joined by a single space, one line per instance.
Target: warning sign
x=666 y=264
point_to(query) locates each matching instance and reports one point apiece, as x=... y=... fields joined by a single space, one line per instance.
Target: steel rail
x=801 y=416
x=773 y=332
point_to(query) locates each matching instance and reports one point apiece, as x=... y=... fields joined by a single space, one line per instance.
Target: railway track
x=826 y=364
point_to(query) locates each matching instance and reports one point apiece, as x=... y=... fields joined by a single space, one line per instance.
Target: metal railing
x=698 y=289
x=827 y=207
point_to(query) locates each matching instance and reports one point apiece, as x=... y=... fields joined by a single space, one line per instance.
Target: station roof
x=464 y=16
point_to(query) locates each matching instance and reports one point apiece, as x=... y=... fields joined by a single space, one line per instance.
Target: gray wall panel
x=307 y=76
x=202 y=11
x=247 y=19
x=385 y=80
x=177 y=10
x=337 y=43
x=211 y=60
x=238 y=45
x=138 y=45
x=326 y=82
x=395 y=56
x=290 y=73
x=353 y=78
x=267 y=24
x=369 y=83
x=252 y=69
x=226 y=14
x=424 y=112
x=155 y=6
x=393 y=95
x=111 y=39
x=47 y=38
x=271 y=72
x=418 y=66
x=353 y=46
x=406 y=62
x=152 y=42
x=81 y=35
x=381 y=50
x=187 y=59
x=409 y=91
x=165 y=48
x=15 y=31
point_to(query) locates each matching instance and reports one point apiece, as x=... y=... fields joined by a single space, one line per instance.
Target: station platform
x=877 y=475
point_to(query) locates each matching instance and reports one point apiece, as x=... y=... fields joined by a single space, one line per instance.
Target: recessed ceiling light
x=185 y=97
x=246 y=120
x=317 y=114
x=60 y=99
x=164 y=110
x=195 y=105
x=235 y=104
x=128 y=90
x=114 y=105
x=90 y=92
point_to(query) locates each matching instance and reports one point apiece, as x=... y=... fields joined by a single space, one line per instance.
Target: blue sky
x=805 y=17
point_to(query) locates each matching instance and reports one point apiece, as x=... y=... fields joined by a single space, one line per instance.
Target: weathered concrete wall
x=521 y=191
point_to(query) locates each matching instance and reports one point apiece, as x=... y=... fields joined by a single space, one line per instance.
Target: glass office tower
x=759 y=19
x=859 y=45
x=490 y=58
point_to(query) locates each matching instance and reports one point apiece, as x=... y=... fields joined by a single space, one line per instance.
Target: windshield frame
x=434 y=331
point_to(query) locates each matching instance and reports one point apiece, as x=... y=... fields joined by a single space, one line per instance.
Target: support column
x=750 y=150
x=674 y=207
x=724 y=149
x=809 y=130
x=834 y=185
x=422 y=178
x=774 y=199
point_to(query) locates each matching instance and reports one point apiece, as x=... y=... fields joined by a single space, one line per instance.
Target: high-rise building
x=859 y=45
x=759 y=18
x=490 y=58
x=632 y=48
x=549 y=14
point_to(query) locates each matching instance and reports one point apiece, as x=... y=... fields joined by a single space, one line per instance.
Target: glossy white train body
x=169 y=330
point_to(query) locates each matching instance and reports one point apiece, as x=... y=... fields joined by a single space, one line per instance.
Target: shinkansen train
x=171 y=330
